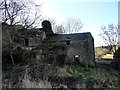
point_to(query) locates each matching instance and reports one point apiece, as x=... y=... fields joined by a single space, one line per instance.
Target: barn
x=75 y=48
x=78 y=47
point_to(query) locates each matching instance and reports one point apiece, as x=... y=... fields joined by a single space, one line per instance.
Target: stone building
x=31 y=42
x=75 y=48
x=31 y=37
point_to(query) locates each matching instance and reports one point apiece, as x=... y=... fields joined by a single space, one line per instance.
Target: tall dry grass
x=36 y=75
x=20 y=77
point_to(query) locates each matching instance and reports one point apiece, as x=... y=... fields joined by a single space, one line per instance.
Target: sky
x=93 y=13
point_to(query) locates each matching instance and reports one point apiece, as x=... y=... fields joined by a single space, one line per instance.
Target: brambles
x=61 y=59
x=38 y=75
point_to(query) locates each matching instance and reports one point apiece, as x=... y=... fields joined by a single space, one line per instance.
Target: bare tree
x=10 y=10
x=22 y=12
x=110 y=36
x=57 y=28
x=15 y=12
x=73 y=25
x=31 y=16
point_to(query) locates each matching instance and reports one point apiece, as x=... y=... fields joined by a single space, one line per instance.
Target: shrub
x=61 y=59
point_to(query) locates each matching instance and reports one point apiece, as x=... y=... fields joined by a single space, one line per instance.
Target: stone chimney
x=47 y=28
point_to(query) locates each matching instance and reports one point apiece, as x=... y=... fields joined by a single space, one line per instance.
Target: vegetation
x=110 y=36
x=61 y=59
x=36 y=75
x=19 y=12
x=72 y=25
x=16 y=15
x=100 y=52
x=104 y=52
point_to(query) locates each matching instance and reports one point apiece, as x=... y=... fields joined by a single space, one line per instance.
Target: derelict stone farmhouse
x=75 y=48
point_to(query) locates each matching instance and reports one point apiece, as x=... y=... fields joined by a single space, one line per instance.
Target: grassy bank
x=34 y=75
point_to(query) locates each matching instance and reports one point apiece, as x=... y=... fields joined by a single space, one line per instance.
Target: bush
x=116 y=62
x=61 y=59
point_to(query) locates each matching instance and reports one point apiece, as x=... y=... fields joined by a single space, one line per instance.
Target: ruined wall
x=52 y=49
x=85 y=51
x=83 y=48
x=35 y=41
x=91 y=53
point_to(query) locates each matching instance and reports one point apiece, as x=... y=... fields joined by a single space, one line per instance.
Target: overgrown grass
x=36 y=75
x=99 y=77
x=18 y=77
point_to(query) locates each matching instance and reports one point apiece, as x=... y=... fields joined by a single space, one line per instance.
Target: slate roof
x=72 y=37
x=31 y=30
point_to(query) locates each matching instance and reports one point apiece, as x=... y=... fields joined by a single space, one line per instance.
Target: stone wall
x=82 y=48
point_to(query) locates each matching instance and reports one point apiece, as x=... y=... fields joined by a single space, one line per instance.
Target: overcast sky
x=93 y=14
